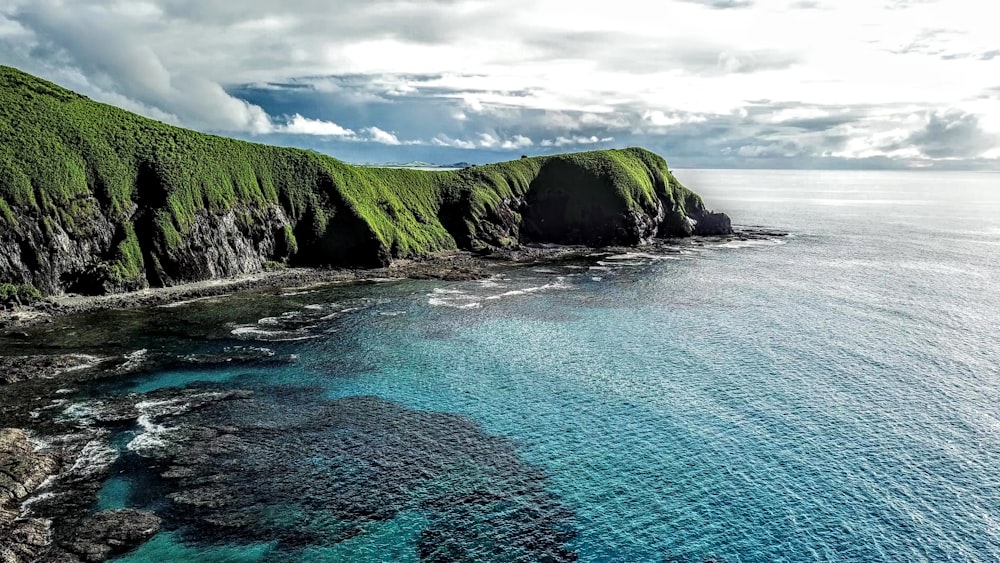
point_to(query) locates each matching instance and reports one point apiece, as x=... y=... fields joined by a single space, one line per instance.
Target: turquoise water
x=831 y=395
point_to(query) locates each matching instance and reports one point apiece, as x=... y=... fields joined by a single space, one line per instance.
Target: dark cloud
x=952 y=134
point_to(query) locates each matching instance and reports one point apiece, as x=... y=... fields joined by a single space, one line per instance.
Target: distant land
x=417 y=165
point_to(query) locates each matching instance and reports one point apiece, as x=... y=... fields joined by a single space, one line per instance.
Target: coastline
x=447 y=266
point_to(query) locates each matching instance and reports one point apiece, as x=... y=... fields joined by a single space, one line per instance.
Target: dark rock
x=24 y=368
x=110 y=533
x=707 y=223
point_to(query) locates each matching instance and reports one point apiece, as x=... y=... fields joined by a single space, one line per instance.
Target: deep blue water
x=833 y=395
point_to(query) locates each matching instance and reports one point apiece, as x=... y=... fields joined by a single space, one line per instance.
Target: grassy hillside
x=136 y=193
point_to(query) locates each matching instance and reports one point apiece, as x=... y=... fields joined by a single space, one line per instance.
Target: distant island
x=97 y=200
x=419 y=165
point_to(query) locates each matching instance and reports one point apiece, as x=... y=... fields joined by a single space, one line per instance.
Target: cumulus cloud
x=299 y=125
x=383 y=137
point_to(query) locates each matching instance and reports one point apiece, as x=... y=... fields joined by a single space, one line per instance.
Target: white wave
x=596 y=278
x=559 y=284
x=190 y=301
x=438 y=302
x=617 y=263
x=454 y=298
x=442 y=291
x=749 y=243
x=633 y=256
x=64 y=391
x=152 y=436
x=256 y=333
x=392 y=313
x=294 y=293
x=492 y=282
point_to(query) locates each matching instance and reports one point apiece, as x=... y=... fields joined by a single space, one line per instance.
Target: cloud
x=722 y=4
x=516 y=142
x=383 y=137
x=299 y=125
x=120 y=63
x=705 y=82
x=952 y=134
x=575 y=141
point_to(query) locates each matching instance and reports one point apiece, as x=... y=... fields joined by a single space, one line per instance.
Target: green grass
x=67 y=162
x=18 y=294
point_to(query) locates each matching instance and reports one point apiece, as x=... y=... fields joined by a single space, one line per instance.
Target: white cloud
x=446 y=141
x=383 y=137
x=517 y=142
x=570 y=141
x=299 y=125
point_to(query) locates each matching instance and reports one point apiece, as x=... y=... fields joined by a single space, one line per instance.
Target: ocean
x=829 y=395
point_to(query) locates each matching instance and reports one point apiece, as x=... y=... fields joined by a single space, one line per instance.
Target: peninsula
x=97 y=200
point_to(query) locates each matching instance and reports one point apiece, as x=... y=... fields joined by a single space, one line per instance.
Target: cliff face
x=94 y=199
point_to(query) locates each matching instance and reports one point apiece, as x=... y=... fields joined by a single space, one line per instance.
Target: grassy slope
x=58 y=148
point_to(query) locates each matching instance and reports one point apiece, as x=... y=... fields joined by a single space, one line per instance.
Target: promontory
x=95 y=199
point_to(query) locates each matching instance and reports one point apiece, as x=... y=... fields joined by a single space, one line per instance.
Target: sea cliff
x=97 y=200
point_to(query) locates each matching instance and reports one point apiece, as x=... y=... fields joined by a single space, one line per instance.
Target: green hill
x=96 y=199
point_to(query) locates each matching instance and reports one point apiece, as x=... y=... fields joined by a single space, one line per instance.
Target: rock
x=24 y=540
x=22 y=469
x=707 y=223
x=23 y=368
x=110 y=533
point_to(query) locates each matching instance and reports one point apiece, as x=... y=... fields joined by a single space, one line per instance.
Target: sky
x=705 y=83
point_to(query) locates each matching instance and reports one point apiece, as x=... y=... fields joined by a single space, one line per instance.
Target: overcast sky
x=706 y=83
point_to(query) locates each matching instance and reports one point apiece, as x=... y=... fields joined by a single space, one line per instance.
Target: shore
x=450 y=266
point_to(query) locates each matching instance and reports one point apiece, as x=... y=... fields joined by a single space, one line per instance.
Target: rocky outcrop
x=110 y=533
x=22 y=470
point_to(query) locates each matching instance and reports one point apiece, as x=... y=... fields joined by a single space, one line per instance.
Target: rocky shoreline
x=448 y=266
x=52 y=466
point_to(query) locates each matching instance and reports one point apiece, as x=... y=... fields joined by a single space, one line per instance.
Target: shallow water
x=831 y=395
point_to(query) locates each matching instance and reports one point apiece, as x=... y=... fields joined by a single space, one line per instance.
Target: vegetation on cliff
x=95 y=199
